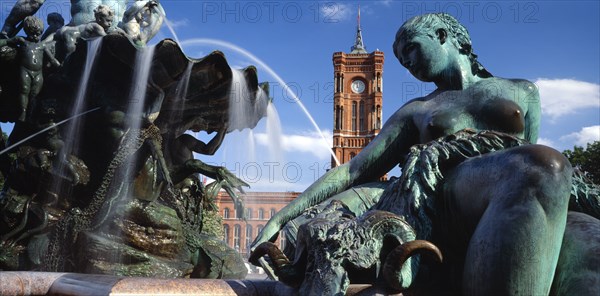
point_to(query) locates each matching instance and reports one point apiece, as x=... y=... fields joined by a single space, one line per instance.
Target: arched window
x=378 y=117
x=226 y=213
x=249 y=213
x=226 y=234
x=361 y=116
x=353 y=116
x=236 y=237
x=249 y=236
x=261 y=214
x=337 y=117
x=341 y=118
x=352 y=154
x=373 y=117
x=272 y=213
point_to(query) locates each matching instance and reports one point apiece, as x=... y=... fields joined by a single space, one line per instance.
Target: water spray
x=272 y=73
x=45 y=130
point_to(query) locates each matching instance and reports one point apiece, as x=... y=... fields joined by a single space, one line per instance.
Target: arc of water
x=274 y=132
x=74 y=128
x=171 y=29
x=239 y=100
x=271 y=72
x=137 y=94
x=241 y=110
x=181 y=91
x=45 y=130
x=137 y=102
x=184 y=82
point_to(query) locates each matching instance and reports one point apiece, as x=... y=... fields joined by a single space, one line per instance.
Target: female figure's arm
x=534 y=112
x=375 y=160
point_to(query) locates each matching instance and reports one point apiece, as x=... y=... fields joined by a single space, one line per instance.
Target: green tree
x=587 y=159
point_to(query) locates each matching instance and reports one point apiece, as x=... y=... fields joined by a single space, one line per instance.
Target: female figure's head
x=418 y=39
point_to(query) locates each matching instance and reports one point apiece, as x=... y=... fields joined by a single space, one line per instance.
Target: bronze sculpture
x=55 y=22
x=142 y=20
x=32 y=54
x=61 y=208
x=82 y=11
x=67 y=36
x=499 y=215
x=14 y=22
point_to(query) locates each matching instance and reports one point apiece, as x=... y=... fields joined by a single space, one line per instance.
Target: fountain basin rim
x=57 y=283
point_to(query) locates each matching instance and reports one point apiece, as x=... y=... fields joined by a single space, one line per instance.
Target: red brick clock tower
x=357 y=99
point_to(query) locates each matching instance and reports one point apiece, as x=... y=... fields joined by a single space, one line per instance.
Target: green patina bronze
x=128 y=202
x=32 y=54
x=495 y=205
x=126 y=199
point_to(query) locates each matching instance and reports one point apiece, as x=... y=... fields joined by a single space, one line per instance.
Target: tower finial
x=359 y=46
x=358 y=17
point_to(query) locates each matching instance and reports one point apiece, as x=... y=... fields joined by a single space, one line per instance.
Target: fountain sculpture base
x=49 y=283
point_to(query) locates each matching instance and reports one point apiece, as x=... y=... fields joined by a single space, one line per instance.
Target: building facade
x=259 y=208
x=358 y=99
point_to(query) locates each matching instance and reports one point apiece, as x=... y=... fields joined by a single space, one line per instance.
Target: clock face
x=358 y=86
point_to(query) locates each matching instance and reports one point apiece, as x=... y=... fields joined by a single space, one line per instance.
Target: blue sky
x=555 y=44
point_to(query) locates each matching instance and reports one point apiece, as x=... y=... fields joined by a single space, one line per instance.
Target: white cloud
x=385 y=2
x=588 y=134
x=335 y=12
x=546 y=142
x=561 y=97
x=304 y=142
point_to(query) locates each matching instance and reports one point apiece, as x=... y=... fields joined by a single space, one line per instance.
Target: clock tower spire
x=359 y=46
x=357 y=98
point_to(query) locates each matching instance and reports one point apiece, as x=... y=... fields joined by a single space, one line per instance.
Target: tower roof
x=359 y=46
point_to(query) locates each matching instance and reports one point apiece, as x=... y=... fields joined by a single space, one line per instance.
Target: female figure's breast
x=459 y=113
